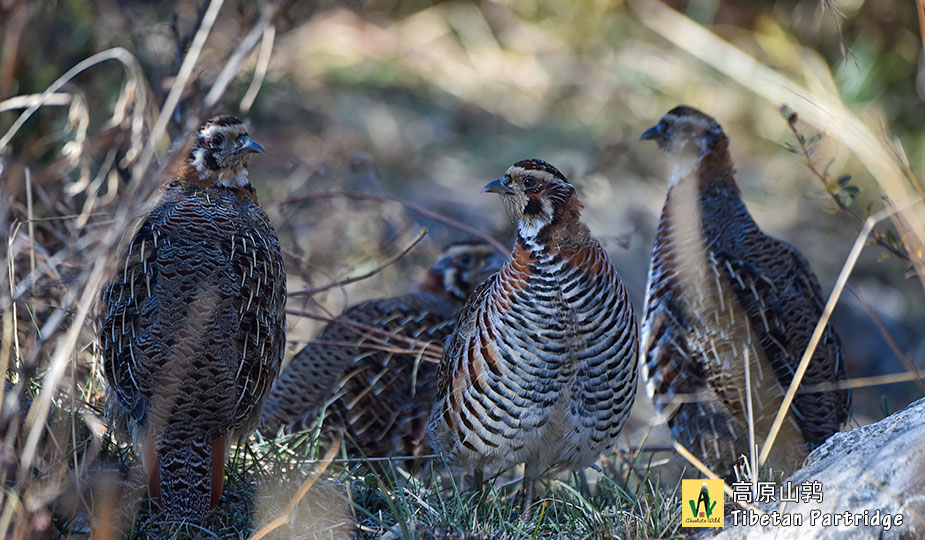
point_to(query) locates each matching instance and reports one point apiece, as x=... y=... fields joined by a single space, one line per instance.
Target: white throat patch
x=530 y=227
x=226 y=177
x=683 y=168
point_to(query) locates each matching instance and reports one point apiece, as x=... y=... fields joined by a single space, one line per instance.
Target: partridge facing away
x=376 y=388
x=720 y=291
x=192 y=325
x=541 y=368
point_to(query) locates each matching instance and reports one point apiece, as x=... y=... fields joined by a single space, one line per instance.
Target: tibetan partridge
x=371 y=385
x=541 y=368
x=192 y=325
x=720 y=291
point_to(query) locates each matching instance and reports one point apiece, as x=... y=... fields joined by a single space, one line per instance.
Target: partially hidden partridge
x=367 y=369
x=720 y=291
x=541 y=368
x=192 y=326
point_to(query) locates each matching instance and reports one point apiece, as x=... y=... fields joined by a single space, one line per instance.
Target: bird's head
x=696 y=146
x=462 y=267
x=686 y=132
x=221 y=150
x=535 y=194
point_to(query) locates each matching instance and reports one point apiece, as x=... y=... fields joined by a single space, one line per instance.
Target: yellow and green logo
x=701 y=503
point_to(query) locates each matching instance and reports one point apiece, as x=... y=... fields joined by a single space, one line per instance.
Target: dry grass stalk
x=706 y=471
x=176 y=90
x=280 y=520
x=823 y=322
x=241 y=52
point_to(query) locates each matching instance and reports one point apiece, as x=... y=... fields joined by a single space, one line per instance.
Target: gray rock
x=879 y=467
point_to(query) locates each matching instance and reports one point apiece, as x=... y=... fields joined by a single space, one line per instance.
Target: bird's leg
x=459 y=479
x=477 y=479
x=218 y=470
x=152 y=467
x=583 y=486
x=531 y=473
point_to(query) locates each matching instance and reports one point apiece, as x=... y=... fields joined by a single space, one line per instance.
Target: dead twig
x=861 y=382
x=834 y=191
x=342 y=282
x=183 y=42
x=891 y=343
x=435 y=359
x=176 y=91
x=417 y=209
x=367 y=328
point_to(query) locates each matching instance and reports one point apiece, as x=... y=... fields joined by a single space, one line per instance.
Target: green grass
x=358 y=498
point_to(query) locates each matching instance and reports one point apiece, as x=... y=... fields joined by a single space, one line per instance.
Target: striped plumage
x=379 y=398
x=720 y=289
x=192 y=325
x=541 y=368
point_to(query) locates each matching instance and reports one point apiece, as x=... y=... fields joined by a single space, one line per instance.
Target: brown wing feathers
x=192 y=328
x=720 y=290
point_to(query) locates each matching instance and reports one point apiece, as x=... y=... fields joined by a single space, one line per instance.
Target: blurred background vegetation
x=427 y=102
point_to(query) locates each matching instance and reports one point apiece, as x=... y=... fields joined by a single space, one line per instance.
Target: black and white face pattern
x=533 y=193
x=222 y=149
x=685 y=131
x=464 y=265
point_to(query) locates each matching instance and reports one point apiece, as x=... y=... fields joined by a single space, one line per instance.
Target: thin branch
x=876 y=237
x=891 y=343
x=676 y=400
x=340 y=283
x=821 y=326
x=173 y=97
x=417 y=209
x=862 y=382
x=752 y=447
x=367 y=328
x=434 y=359
x=184 y=41
x=132 y=68
x=58 y=99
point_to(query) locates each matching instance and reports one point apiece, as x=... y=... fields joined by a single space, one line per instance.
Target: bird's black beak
x=498 y=186
x=250 y=145
x=657 y=133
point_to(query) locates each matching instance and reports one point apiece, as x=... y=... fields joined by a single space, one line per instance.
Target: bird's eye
x=530 y=182
x=218 y=139
x=465 y=260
